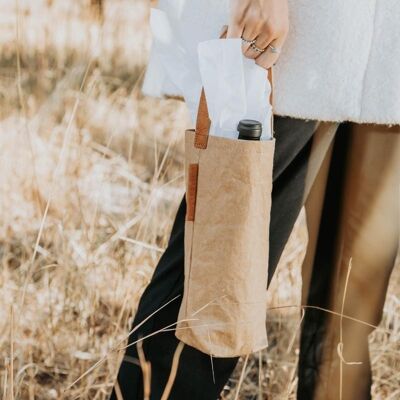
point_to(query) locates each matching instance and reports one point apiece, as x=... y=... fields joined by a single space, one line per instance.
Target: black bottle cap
x=249 y=129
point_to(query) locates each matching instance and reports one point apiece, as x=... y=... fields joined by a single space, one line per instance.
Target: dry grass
x=91 y=175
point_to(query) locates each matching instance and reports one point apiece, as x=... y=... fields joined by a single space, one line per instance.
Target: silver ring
x=257 y=49
x=250 y=42
x=274 y=50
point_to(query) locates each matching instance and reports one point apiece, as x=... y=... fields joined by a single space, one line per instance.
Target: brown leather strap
x=191 y=192
x=203 y=122
x=271 y=97
x=271 y=81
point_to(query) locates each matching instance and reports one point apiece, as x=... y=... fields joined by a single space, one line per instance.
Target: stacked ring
x=254 y=47
x=250 y=42
x=257 y=49
x=274 y=49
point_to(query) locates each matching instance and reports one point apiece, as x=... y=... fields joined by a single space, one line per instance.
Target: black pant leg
x=166 y=284
x=293 y=148
x=195 y=379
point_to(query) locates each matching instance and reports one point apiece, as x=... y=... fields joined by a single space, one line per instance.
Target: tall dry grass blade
x=340 y=345
x=211 y=356
x=58 y=169
x=388 y=331
x=11 y=394
x=292 y=340
x=174 y=370
x=21 y=99
x=260 y=375
x=117 y=390
x=291 y=383
x=165 y=329
x=146 y=371
x=241 y=378
x=142 y=244
x=5 y=383
x=212 y=367
x=31 y=387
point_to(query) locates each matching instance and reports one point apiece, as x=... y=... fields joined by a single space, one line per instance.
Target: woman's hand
x=266 y=22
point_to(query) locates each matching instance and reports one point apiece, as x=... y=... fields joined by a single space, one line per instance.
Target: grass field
x=91 y=176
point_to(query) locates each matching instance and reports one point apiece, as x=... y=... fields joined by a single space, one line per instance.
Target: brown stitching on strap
x=191 y=193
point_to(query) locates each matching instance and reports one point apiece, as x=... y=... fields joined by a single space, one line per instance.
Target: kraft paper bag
x=228 y=196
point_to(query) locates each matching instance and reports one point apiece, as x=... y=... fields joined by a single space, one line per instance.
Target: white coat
x=341 y=61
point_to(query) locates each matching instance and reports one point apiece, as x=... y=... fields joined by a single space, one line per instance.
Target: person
x=337 y=117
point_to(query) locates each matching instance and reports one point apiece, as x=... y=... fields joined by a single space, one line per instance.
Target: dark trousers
x=195 y=379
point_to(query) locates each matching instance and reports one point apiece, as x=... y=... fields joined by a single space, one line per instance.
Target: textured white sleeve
x=157 y=82
x=154 y=77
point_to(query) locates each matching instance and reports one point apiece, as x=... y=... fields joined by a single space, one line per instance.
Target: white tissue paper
x=236 y=87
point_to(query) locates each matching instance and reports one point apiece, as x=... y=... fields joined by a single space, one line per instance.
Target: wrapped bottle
x=249 y=129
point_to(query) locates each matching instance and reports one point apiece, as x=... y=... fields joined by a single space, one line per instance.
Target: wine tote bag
x=228 y=198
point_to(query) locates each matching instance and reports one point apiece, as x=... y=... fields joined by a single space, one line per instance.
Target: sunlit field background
x=91 y=174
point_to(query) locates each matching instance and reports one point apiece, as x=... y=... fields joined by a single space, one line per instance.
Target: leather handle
x=271 y=97
x=203 y=122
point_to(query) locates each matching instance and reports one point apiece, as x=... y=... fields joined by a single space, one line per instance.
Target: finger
x=270 y=57
x=249 y=34
x=224 y=31
x=261 y=43
x=264 y=39
x=237 y=16
x=235 y=29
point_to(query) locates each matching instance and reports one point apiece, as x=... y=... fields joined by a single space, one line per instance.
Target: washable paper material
x=224 y=305
x=235 y=86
